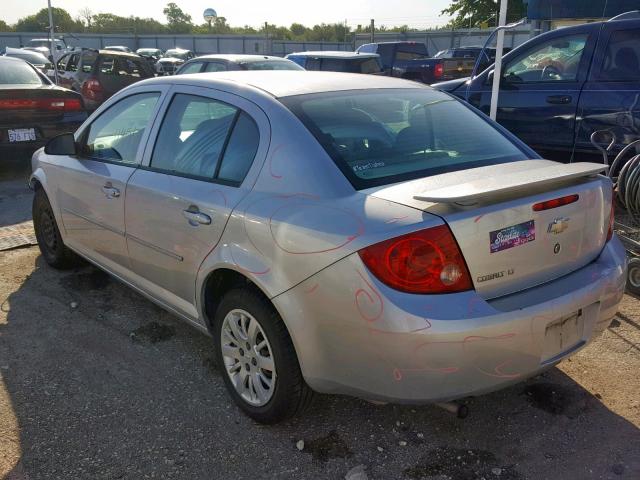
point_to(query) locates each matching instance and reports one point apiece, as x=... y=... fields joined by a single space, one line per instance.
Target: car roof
x=8 y=51
x=116 y=53
x=286 y=83
x=334 y=54
x=236 y=57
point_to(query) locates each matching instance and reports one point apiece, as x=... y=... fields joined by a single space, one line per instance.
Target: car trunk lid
x=508 y=244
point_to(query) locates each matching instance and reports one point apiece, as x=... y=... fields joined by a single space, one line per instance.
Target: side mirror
x=64 y=144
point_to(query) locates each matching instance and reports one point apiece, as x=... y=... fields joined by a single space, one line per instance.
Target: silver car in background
x=336 y=233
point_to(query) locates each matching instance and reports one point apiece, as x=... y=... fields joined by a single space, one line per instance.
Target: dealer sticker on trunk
x=512 y=236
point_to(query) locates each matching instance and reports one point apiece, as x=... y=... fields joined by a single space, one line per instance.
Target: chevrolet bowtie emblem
x=559 y=225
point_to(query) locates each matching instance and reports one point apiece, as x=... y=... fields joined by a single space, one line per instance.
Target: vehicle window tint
x=378 y=138
x=128 y=67
x=215 y=67
x=107 y=65
x=311 y=64
x=87 y=59
x=622 y=58
x=240 y=151
x=18 y=73
x=337 y=65
x=62 y=62
x=404 y=55
x=72 y=65
x=115 y=135
x=192 y=137
x=555 y=60
x=192 y=68
x=369 y=65
x=271 y=65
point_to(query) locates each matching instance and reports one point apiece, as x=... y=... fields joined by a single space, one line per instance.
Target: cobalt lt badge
x=556 y=248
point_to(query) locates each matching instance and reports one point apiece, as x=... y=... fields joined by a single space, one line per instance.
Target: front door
x=539 y=94
x=179 y=202
x=92 y=187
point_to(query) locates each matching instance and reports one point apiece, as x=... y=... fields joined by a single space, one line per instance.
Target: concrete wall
x=200 y=44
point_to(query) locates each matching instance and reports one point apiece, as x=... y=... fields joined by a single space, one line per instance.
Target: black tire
x=53 y=249
x=291 y=394
x=633 y=276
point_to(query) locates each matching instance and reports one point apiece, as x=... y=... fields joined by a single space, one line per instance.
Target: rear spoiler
x=471 y=186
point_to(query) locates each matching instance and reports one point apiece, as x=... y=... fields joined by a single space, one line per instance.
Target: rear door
x=196 y=170
x=611 y=97
x=540 y=90
x=90 y=188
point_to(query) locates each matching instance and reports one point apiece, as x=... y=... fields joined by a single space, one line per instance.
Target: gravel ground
x=98 y=383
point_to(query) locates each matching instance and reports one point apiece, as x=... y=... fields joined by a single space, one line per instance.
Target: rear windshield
x=18 y=73
x=378 y=137
x=270 y=65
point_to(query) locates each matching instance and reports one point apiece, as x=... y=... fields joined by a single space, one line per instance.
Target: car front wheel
x=259 y=363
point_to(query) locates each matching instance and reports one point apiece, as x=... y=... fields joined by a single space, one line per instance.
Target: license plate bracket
x=563 y=335
x=21 y=135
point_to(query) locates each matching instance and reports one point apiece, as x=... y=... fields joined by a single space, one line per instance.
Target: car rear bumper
x=353 y=335
x=44 y=130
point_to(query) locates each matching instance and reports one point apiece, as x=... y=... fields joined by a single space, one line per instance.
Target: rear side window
x=129 y=67
x=205 y=139
x=215 y=67
x=622 y=58
x=382 y=137
x=115 y=135
x=88 y=59
x=270 y=65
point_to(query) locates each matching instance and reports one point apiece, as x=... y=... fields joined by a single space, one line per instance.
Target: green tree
x=177 y=20
x=298 y=30
x=40 y=21
x=5 y=27
x=474 y=13
x=109 y=23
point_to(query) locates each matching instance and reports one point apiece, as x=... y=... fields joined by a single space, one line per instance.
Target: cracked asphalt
x=96 y=382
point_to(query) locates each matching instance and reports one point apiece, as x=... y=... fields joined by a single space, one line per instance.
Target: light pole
x=52 y=43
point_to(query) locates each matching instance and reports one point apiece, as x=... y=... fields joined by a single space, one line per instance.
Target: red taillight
x=18 y=104
x=555 y=203
x=427 y=261
x=55 y=104
x=438 y=70
x=91 y=88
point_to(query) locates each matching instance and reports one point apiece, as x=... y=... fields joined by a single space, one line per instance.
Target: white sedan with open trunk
x=336 y=233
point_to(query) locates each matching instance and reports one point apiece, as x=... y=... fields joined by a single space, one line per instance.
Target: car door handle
x=110 y=191
x=559 y=99
x=196 y=217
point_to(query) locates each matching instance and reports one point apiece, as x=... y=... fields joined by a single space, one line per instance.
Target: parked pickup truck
x=411 y=60
x=561 y=86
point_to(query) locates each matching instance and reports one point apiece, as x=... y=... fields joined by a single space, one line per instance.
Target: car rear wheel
x=633 y=276
x=258 y=362
x=50 y=242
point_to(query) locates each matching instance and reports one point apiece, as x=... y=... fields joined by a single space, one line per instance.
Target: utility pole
x=373 y=30
x=497 y=69
x=52 y=47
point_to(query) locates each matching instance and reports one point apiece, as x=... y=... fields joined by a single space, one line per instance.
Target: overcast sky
x=415 y=13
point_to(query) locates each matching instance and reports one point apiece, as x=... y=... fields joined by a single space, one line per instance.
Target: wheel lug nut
x=254 y=362
x=241 y=352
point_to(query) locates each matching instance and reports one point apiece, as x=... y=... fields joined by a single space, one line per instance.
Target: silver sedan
x=336 y=233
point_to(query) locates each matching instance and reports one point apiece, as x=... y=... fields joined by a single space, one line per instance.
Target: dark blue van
x=561 y=86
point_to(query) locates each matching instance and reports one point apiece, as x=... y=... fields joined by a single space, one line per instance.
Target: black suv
x=98 y=74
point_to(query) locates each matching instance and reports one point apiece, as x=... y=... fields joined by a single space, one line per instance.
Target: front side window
x=386 y=136
x=552 y=61
x=622 y=59
x=115 y=135
x=63 y=60
x=72 y=65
